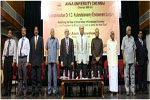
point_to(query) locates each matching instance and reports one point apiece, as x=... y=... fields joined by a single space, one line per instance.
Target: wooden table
x=89 y=80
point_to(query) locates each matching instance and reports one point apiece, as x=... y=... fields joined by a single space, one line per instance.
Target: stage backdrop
x=91 y=14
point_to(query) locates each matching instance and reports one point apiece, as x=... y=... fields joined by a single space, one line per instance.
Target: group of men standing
x=134 y=53
x=32 y=53
x=28 y=53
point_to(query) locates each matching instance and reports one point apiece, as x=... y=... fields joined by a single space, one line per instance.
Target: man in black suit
x=36 y=60
x=97 y=52
x=142 y=61
x=67 y=54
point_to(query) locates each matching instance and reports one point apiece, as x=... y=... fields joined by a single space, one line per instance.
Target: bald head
x=128 y=30
x=81 y=28
x=97 y=32
x=66 y=32
x=52 y=33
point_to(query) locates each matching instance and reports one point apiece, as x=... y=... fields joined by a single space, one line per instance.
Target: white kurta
x=112 y=57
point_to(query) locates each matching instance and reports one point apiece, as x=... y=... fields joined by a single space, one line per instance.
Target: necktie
x=81 y=42
x=21 y=46
x=67 y=45
x=35 y=41
x=141 y=42
x=8 y=48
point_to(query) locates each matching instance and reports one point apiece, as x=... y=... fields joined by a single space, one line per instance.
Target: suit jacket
x=36 y=55
x=64 y=57
x=82 y=54
x=96 y=50
x=141 y=52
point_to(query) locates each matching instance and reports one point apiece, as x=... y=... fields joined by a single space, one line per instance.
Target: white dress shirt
x=36 y=38
x=82 y=54
x=12 y=50
x=141 y=41
x=112 y=53
x=25 y=49
x=67 y=39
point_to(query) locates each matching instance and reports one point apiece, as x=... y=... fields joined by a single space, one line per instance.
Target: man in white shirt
x=82 y=54
x=8 y=60
x=22 y=62
x=112 y=57
x=128 y=48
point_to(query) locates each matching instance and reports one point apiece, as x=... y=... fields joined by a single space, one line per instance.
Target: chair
x=29 y=73
x=44 y=74
x=106 y=73
x=120 y=74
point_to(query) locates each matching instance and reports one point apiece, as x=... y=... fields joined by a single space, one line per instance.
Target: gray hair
x=80 y=26
x=127 y=28
x=52 y=29
x=23 y=28
x=96 y=29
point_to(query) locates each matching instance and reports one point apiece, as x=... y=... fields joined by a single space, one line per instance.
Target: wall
x=144 y=23
x=148 y=47
x=18 y=6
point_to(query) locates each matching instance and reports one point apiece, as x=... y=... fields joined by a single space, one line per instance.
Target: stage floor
x=75 y=95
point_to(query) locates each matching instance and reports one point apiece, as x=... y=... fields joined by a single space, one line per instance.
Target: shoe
x=80 y=95
x=140 y=91
x=18 y=95
x=24 y=94
x=6 y=94
x=33 y=93
x=117 y=94
x=127 y=93
x=145 y=92
x=111 y=94
x=84 y=95
x=133 y=94
x=54 y=94
x=49 y=94
x=40 y=94
x=9 y=94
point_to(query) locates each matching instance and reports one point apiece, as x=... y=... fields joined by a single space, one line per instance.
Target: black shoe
x=54 y=94
x=84 y=95
x=49 y=94
x=145 y=92
x=140 y=91
x=40 y=94
x=6 y=94
x=9 y=94
x=69 y=95
x=18 y=95
x=33 y=93
x=133 y=94
x=127 y=94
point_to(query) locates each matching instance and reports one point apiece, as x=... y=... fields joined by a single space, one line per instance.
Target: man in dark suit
x=36 y=60
x=142 y=61
x=97 y=51
x=67 y=54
